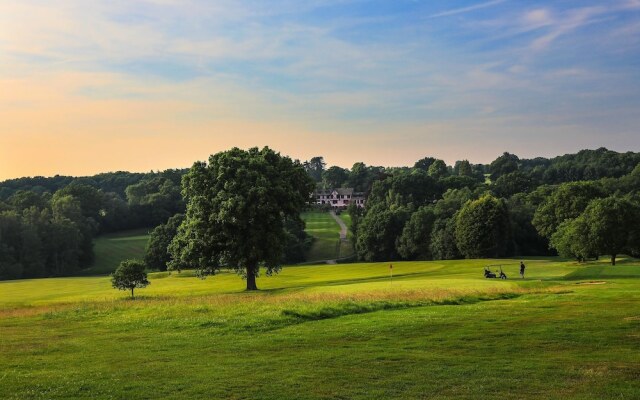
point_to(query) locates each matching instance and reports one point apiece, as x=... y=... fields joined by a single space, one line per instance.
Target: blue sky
x=163 y=83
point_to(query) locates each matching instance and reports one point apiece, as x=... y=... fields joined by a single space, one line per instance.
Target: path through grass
x=326 y=231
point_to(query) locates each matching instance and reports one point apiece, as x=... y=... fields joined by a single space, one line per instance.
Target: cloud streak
x=468 y=9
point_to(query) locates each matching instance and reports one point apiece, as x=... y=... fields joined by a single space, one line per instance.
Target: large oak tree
x=237 y=204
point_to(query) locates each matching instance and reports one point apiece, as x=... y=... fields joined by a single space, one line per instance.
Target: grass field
x=326 y=231
x=112 y=248
x=438 y=330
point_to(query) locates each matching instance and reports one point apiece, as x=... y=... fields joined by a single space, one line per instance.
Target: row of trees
x=586 y=165
x=416 y=215
x=582 y=166
x=508 y=172
x=430 y=211
x=128 y=200
x=360 y=177
x=240 y=202
x=238 y=205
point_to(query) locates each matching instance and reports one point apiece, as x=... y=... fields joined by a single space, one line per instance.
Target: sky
x=88 y=87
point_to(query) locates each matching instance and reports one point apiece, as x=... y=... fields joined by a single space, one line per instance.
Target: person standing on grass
x=522 y=267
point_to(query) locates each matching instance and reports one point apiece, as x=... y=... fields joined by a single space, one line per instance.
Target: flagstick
x=391 y=272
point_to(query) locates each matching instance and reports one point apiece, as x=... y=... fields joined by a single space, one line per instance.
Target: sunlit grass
x=437 y=330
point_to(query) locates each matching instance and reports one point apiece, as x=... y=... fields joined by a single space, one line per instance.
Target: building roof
x=339 y=191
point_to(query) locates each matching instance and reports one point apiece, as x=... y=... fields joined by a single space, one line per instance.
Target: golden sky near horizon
x=154 y=84
x=48 y=127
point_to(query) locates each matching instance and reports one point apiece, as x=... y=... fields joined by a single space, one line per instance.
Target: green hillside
x=111 y=249
x=325 y=230
x=438 y=330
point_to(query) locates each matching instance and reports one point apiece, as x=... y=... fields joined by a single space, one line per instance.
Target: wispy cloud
x=358 y=71
x=567 y=23
x=464 y=10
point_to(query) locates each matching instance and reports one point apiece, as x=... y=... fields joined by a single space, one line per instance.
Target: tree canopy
x=482 y=228
x=157 y=254
x=607 y=226
x=237 y=205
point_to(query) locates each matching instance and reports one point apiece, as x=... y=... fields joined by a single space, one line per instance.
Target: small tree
x=504 y=164
x=438 y=169
x=129 y=275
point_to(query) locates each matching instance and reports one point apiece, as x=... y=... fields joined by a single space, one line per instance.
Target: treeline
x=517 y=174
x=127 y=200
x=573 y=204
x=360 y=177
x=47 y=225
x=441 y=212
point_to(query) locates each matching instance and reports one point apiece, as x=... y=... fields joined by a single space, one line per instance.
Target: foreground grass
x=344 y=331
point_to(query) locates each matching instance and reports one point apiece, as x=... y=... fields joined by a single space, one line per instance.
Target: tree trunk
x=132 y=294
x=251 y=278
x=613 y=259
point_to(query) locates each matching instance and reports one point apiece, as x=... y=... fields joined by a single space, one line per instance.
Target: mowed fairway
x=111 y=249
x=326 y=231
x=437 y=331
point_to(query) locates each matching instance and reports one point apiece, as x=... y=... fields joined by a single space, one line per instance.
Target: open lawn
x=111 y=249
x=439 y=330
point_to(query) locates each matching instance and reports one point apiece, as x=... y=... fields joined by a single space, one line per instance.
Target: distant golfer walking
x=522 y=267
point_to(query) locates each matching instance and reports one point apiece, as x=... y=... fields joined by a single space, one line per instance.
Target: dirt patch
x=591 y=283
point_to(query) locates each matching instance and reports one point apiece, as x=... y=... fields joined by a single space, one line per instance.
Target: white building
x=339 y=198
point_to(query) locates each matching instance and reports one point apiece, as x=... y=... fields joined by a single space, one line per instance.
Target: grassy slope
x=326 y=232
x=346 y=248
x=341 y=331
x=112 y=248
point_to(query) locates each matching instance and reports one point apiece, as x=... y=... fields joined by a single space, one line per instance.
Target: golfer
x=522 y=267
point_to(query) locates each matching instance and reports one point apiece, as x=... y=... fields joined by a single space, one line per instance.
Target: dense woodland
x=47 y=225
x=581 y=206
x=578 y=205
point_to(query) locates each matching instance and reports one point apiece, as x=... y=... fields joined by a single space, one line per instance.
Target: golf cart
x=490 y=275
